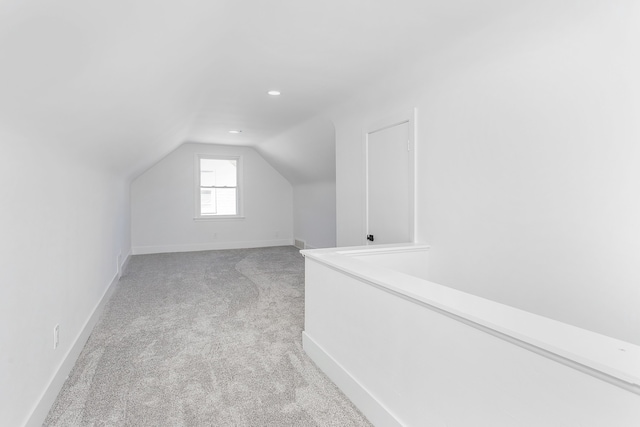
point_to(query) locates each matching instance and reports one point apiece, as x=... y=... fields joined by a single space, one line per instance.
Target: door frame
x=378 y=125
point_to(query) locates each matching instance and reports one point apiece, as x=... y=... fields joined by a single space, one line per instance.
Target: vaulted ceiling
x=126 y=81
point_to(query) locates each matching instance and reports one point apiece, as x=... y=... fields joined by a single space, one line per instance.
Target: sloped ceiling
x=124 y=82
x=304 y=153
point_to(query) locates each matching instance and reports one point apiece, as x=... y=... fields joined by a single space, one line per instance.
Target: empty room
x=336 y=213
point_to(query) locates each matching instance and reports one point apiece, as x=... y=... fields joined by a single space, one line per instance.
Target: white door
x=389 y=185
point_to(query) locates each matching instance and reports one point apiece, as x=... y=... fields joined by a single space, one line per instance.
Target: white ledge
x=218 y=218
x=607 y=358
x=373 y=249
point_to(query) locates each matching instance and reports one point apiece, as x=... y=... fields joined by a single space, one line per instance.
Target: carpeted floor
x=203 y=339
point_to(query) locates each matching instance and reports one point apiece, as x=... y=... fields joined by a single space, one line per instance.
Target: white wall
x=163 y=208
x=408 y=352
x=63 y=224
x=527 y=162
x=306 y=156
x=314 y=214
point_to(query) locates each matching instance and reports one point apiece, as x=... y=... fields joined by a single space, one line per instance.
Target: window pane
x=208 y=178
x=218 y=201
x=207 y=202
x=218 y=172
x=226 y=201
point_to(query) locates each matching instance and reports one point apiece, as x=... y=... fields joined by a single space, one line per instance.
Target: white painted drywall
x=314 y=214
x=306 y=156
x=527 y=162
x=63 y=223
x=163 y=208
x=404 y=363
x=304 y=153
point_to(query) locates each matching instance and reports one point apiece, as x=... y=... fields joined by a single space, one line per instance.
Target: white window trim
x=239 y=194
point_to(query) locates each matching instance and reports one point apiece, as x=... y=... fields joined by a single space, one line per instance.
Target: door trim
x=378 y=125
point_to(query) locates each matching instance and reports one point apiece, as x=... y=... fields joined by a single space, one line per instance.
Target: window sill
x=218 y=217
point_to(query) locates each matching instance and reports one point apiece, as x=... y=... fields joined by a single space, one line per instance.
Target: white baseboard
x=40 y=412
x=373 y=409
x=302 y=244
x=125 y=263
x=144 y=250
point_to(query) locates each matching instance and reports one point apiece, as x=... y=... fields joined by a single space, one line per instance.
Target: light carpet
x=203 y=339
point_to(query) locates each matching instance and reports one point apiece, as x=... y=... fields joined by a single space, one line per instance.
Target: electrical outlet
x=56 y=336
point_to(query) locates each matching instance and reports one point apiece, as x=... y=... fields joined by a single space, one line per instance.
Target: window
x=218 y=187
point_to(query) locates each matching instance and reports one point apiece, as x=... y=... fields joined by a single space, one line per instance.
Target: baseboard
x=302 y=244
x=40 y=412
x=373 y=409
x=144 y=250
x=125 y=263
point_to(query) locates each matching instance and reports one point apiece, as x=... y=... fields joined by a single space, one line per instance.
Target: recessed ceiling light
x=274 y=92
x=235 y=131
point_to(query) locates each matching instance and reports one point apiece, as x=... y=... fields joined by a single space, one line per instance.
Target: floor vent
x=299 y=244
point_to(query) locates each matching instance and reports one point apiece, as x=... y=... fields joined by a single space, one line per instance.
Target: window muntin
x=218 y=182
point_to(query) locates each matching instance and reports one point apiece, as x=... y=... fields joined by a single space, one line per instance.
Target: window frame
x=197 y=187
